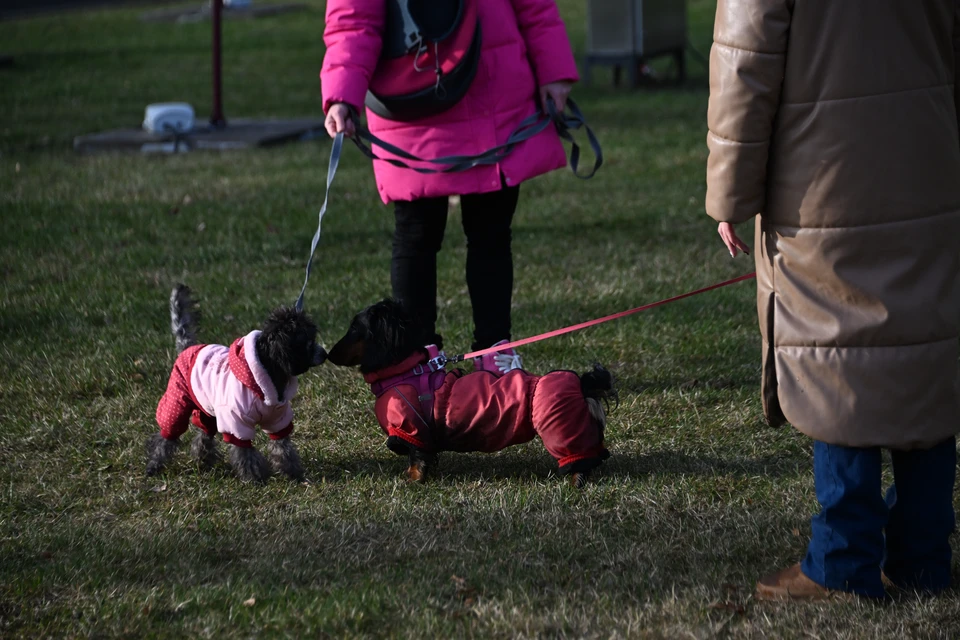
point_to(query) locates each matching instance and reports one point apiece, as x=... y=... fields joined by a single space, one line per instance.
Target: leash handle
x=335 y=151
x=528 y=128
x=564 y=124
x=590 y=323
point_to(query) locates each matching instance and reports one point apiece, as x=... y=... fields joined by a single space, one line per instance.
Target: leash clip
x=438 y=362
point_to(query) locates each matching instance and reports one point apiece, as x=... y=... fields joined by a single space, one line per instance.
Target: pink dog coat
x=436 y=410
x=226 y=390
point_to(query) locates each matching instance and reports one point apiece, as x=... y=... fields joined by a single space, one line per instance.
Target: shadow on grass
x=683 y=464
x=629 y=384
x=26 y=322
x=372 y=553
x=450 y=469
x=423 y=557
x=524 y=467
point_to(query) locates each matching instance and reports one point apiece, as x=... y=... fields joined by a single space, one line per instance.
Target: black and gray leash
x=531 y=126
x=331 y=172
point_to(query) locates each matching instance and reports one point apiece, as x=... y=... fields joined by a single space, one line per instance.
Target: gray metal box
x=626 y=32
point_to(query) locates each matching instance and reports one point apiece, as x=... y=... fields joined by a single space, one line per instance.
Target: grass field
x=698 y=500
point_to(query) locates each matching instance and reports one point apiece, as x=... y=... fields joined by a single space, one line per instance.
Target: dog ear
x=288 y=341
x=394 y=327
x=274 y=341
x=391 y=335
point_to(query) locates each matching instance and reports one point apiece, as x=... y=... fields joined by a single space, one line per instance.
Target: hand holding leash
x=556 y=91
x=340 y=119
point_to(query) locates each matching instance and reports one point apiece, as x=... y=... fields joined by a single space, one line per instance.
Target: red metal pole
x=216 y=117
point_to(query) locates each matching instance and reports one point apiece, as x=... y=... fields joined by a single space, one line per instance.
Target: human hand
x=507 y=361
x=731 y=239
x=558 y=91
x=338 y=120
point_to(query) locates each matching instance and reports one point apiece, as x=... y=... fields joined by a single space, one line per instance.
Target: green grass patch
x=698 y=500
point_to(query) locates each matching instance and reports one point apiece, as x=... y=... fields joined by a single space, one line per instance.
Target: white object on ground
x=162 y=117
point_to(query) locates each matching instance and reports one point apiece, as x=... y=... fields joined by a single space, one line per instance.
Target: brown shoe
x=792 y=584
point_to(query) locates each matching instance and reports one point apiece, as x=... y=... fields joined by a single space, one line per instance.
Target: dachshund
x=424 y=409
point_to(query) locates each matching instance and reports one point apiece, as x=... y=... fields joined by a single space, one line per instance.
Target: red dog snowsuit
x=436 y=410
x=225 y=390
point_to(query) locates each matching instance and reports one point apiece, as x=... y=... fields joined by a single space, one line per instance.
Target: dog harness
x=424 y=373
x=419 y=404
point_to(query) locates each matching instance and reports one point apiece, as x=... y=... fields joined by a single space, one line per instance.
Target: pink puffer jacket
x=524 y=46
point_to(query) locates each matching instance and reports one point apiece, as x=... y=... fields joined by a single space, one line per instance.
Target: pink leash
x=590 y=323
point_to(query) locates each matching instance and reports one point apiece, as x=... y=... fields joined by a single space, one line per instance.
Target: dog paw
x=159 y=452
x=249 y=464
x=420 y=463
x=417 y=473
x=285 y=459
x=579 y=479
x=204 y=452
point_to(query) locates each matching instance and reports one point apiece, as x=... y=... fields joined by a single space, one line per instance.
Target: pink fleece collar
x=247 y=369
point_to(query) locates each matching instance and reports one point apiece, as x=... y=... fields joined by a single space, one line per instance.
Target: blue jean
x=858 y=532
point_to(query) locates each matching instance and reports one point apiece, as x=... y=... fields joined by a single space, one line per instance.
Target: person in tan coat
x=835 y=124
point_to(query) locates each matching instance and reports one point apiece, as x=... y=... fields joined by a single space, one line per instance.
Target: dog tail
x=598 y=384
x=184 y=317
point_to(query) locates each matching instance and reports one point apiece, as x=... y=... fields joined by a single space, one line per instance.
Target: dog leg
x=420 y=463
x=284 y=458
x=249 y=464
x=204 y=451
x=159 y=452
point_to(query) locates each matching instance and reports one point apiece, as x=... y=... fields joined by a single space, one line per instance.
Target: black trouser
x=417 y=237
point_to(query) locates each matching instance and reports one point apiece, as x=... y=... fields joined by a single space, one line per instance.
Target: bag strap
x=532 y=125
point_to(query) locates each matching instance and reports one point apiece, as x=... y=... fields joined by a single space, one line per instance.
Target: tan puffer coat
x=836 y=121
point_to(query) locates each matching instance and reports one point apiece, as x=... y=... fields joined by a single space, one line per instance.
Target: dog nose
x=319 y=356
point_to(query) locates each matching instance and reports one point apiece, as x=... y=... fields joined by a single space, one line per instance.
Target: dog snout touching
x=319 y=356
